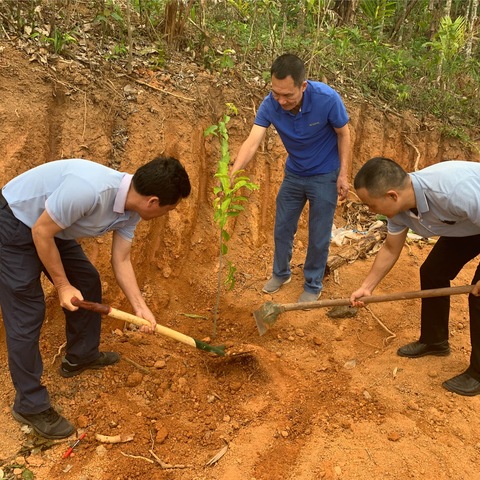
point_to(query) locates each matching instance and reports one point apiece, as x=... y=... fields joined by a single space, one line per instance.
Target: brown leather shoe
x=417 y=349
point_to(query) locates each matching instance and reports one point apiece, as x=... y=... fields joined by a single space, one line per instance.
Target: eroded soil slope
x=313 y=398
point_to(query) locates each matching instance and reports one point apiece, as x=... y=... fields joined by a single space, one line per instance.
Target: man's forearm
x=49 y=255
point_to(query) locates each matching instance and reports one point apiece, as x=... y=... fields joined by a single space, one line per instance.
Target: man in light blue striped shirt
x=42 y=213
x=441 y=200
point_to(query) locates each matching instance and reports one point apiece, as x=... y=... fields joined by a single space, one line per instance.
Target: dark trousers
x=447 y=258
x=23 y=309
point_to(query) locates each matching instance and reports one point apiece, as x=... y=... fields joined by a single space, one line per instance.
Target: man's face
x=286 y=93
x=152 y=209
x=387 y=204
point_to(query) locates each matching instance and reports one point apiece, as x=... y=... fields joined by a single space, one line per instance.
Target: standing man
x=42 y=212
x=443 y=200
x=311 y=120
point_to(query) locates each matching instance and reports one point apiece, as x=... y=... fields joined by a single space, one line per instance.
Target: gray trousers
x=23 y=309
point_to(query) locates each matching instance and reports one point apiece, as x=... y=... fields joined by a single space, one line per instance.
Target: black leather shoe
x=463 y=384
x=105 y=359
x=48 y=424
x=417 y=349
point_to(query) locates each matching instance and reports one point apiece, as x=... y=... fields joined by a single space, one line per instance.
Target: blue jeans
x=321 y=193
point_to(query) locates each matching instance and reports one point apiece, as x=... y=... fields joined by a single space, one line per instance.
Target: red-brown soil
x=314 y=398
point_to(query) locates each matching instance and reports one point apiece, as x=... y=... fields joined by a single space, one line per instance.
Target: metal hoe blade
x=266 y=316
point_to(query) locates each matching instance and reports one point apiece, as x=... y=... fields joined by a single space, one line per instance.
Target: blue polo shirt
x=82 y=197
x=309 y=136
x=448 y=201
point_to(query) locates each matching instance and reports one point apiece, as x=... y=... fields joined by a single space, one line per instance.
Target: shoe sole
x=20 y=418
x=433 y=354
x=275 y=291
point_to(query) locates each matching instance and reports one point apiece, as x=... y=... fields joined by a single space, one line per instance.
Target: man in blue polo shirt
x=441 y=200
x=42 y=213
x=311 y=120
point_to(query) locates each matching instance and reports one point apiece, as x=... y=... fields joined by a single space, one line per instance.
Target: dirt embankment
x=313 y=398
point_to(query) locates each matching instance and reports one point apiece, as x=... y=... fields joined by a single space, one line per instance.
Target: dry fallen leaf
x=217 y=456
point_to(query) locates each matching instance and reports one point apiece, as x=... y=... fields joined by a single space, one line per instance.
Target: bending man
x=42 y=212
x=440 y=200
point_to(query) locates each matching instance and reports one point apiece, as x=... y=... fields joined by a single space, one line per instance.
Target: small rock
x=284 y=433
x=342 y=312
x=394 y=436
x=350 y=364
x=162 y=433
x=317 y=341
x=82 y=421
x=160 y=364
x=300 y=332
x=101 y=451
x=134 y=379
x=235 y=386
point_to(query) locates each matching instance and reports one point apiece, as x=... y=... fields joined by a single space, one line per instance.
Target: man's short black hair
x=379 y=175
x=286 y=65
x=162 y=177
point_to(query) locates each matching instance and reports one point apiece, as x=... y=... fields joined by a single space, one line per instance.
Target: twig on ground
x=161 y=90
x=60 y=348
x=135 y=364
x=84 y=115
x=167 y=465
x=137 y=456
x=392 y=335
x=367 y=344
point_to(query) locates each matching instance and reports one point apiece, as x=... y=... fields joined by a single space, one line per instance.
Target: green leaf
x=211 y=130
x=27 y=475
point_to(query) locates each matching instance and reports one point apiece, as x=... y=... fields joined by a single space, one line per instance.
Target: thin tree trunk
x=471 y=26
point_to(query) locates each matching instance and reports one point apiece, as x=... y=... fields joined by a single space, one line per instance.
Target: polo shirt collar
x=420 y=198
x=121 y=197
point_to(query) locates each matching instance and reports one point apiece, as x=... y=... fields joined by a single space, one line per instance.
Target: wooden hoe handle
x=103 y=309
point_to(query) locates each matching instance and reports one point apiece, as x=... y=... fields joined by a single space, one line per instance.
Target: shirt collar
x=121 y=198
x=420 y=198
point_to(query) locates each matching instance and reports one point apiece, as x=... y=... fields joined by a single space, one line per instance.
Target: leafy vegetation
x=409 y=54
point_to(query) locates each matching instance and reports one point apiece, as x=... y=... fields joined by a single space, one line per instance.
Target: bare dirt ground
x=315 y=397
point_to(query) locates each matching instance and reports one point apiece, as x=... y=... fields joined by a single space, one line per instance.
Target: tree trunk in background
x=346 y=10
x=471 y=27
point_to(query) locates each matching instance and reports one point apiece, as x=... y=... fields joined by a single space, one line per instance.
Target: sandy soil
x=315 y=397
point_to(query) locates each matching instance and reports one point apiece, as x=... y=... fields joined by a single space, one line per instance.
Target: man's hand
x=343 y=187
x=361 y=292
x=147 y=315
x=65 y=294
x=476 y=289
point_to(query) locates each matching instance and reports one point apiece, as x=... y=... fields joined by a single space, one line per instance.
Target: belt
x=4 y=204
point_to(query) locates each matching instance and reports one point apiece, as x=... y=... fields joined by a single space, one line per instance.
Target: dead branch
x=415 y=166
x=351 y=252
x=161 y=90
